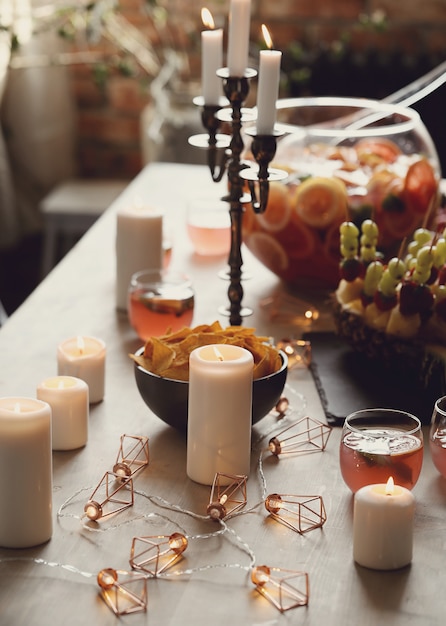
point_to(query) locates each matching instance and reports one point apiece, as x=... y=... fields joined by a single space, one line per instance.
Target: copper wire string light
x=112 y=495
x=124 y=592
x=154 y=555
x=304 y=436
x=300 y=513
x=133 y=455
x=285 y=589
x=225 y=498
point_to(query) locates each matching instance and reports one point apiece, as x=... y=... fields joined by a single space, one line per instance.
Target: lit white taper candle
x=268 y=87
x=211 y=59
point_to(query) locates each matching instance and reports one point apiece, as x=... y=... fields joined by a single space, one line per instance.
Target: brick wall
x=109 y=140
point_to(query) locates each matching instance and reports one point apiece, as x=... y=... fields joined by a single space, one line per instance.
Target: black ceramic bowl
x=168 y=398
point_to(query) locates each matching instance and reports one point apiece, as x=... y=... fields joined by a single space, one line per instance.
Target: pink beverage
x=153 y=314
x=210 y=232
x=367 y=460
x=437 y=444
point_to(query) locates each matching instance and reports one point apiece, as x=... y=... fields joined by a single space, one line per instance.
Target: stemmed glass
x=437 y=435
x=378 y=443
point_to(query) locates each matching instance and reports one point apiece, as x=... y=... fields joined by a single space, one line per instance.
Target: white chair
x=70 y=209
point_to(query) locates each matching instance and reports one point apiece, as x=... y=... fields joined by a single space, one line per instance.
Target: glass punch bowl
x=346 y=158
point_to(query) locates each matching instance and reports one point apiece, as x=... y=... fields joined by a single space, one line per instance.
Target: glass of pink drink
x=159 y=300
x=437 y=435
x=209 y=227
x=379 y=443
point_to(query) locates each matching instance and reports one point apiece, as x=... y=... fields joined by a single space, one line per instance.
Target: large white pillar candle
x=139 y=246
x=383 y=526
x=220 y=412
x=25 y=472
x=84 y=358
x=238 y=36
x=68 y=399
x=268 y=89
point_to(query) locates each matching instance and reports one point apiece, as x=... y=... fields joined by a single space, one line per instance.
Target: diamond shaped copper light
x=123 y=592
x=113 y=494
x=133 y=455
x=154 y=555
x=285 y=589
x=300 y=513
x=304 y=436
x=227 y=498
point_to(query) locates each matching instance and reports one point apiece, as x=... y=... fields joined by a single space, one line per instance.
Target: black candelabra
x=224 y=155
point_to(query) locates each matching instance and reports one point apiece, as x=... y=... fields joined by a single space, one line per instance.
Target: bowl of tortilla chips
x=162 y=370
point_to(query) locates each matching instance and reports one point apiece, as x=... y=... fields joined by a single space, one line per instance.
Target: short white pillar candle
x=68 y=399
x=25 y=472
x=383 y=526
x=84 y=357
x=220 y=412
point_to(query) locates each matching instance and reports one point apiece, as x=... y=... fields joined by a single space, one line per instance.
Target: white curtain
x=38 y=121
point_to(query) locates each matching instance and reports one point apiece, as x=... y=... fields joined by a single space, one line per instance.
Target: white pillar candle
x=220 y=412
x=139 y=246
x=383 y=526
x=268 y=89
x=238 y=36
x=25 y=472
x=68 y=399
x=84 y=358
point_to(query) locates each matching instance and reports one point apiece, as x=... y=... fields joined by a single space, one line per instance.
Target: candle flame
x=267 y=37
x=218 y=354
x=223 y=499
x=390 y=486
x=207 y=19
x=80 y=344
x=17 y=407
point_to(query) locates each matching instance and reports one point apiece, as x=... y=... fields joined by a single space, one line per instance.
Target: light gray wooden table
x=56 y=583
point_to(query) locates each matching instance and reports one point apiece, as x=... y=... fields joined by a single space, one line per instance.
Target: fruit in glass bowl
x=347 y=159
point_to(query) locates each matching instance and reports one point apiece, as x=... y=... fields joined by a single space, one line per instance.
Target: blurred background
x=93 y=91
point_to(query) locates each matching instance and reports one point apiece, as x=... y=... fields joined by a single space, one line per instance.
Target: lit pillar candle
x=25 y=472
x=268 y=87
x=211 y=60
x=68 y=399
x=220 y=412
x=238 y=36
x=84 y=358
x=383 y=526
x=139 y=246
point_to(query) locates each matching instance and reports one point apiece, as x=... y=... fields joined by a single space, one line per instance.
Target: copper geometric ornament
x=304 y=436
x=153 y=555
x=285 y=589
x=112 y=495
x=133 y=455
x=123 y=592
x=227 y=498
x=300 y=513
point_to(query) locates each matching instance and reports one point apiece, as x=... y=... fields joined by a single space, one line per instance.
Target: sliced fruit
x=320 y=201
x=385 y=149
x=298 y=240
x=268 y=251
x=420 y=186
x=278 y=210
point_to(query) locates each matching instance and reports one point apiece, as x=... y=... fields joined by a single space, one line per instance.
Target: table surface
x=56 y=582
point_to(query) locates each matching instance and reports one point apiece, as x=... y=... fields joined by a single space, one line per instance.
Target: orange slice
x=278 y=210
x=268 y=251
x=320 y=201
